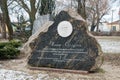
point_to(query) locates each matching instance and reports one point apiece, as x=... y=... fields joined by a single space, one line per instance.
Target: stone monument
x=66 y=45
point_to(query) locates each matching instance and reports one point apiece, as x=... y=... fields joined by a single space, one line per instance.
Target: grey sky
x=114 y=6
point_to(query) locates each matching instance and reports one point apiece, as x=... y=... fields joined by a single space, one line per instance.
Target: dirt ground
x=109 y=44
x=111 y=67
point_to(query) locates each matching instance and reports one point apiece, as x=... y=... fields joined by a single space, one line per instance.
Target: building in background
x=103 y=27
x=108 y=27
x=114 y=26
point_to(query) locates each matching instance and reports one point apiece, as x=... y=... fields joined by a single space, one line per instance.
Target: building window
x=113 y=28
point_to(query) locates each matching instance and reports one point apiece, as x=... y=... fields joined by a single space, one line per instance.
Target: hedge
x=9 y=50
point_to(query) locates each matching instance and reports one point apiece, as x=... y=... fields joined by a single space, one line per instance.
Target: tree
x=43 y=6
x=2 y=25
x=47 y=7
x=82 y=8
x=4 y=8
x=31 y=11
x=2 y=22
x=98 y=9
x=93 y=11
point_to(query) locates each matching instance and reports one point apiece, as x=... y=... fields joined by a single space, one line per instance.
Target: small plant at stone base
x=98 y=70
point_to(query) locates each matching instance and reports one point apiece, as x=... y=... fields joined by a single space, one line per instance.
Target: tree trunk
x=7 y=19
x=81 y=8
x=3 y=27
x=92 y=28
x=93 y=23
x=98 y=16
x=32 y=13
x=32 y=18
x=3 y=31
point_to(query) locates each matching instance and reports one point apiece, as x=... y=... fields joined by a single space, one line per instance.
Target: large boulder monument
x=66 y=44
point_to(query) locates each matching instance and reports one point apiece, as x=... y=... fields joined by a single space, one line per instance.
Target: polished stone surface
x=75 y=52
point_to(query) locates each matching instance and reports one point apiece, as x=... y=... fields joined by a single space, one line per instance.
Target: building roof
x=115 y=22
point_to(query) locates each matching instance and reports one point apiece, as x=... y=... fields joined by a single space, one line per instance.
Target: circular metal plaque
x=64 y=29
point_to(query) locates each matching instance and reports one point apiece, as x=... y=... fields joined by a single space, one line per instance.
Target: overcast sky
x=115 y=8
x=108 y=17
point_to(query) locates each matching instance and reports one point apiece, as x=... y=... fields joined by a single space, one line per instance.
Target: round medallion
x=64 y=29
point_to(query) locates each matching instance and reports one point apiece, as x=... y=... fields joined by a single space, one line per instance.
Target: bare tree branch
x=38 y=4
x=11 y=2
x=22 y=4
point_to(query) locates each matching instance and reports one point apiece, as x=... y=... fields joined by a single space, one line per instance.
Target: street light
x=119 y=15
x=119 y=19
x=112 y=18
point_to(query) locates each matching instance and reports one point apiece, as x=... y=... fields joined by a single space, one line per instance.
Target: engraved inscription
x=53 y=44
x=59 y=55
x=62 y=50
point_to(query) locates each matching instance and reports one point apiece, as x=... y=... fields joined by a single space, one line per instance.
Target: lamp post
x=119 y=18
x=112 y=18
x=119 y=15
x=71 y=4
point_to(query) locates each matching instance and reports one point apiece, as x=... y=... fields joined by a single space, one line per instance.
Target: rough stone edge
x=100 y=57
x=26 y=50
x=100 y=54
x=75 y=15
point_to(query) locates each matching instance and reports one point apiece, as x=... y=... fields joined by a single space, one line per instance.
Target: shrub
x=3 y=44
x=9 y=50
x=15 y=43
